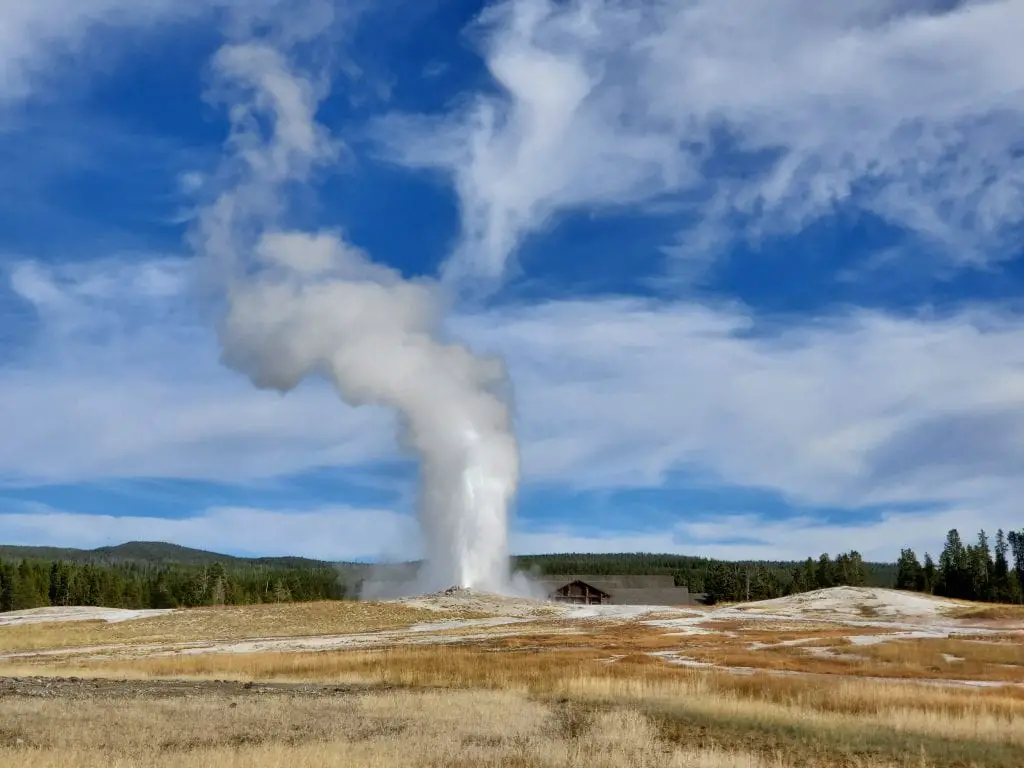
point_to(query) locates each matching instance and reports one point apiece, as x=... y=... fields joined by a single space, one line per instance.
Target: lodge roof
x=613 y=582
x=627 y=589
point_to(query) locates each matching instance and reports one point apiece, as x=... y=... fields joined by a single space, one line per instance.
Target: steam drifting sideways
x=298 y=304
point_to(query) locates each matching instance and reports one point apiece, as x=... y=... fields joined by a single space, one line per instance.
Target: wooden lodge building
x=618 y=590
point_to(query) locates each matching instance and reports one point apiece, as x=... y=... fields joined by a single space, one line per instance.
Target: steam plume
x=300 y=303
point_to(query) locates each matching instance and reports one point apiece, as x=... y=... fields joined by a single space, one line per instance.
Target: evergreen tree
x=928 y=575
x=953 y=570
x=60 y=583
x=796 y=582
x=720 y=585
x=979 y=564
x=6 y=587
x=824 y=575
x=908 y=573
x=28 y=589
x=810 y=574
x=764 y=585
x=1001 y=570
x=218 y=584
x=858 y=569
x=1016 y=541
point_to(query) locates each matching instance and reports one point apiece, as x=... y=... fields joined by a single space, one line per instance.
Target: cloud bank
x=757 y=118
x=733 y=122
x=861 y=410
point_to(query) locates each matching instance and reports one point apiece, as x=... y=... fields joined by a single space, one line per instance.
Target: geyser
x=298 y=304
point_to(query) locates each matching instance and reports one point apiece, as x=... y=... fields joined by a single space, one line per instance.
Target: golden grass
x=563 y=641
x=636 y=676
x=391 y=729
x=517 y=709
x=996 y=611
x=223 y=623
x=976 y=659
x=551 y=696
x=911 y=660
x=548 y=697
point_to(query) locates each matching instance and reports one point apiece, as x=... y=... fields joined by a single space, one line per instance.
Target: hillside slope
x=149 y=553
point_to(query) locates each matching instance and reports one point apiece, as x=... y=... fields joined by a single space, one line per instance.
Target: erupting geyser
x=464 y=511
x=304 y=303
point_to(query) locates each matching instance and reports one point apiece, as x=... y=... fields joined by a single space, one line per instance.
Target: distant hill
x=150 y=553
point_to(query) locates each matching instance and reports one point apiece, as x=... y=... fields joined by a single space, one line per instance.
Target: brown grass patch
x=837 y=640
x=223 y=623
x=458 y=729
x=914 y=660
x=557 y=670
x=977 y=660
x=824 y=634
x=778 y=659
x=763 y=719
x=997 y=611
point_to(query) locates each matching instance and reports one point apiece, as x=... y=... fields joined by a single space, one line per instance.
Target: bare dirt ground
x=108 y=688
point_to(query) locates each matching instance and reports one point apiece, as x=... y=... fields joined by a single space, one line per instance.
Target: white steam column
x=300 y=303
x=465 y=516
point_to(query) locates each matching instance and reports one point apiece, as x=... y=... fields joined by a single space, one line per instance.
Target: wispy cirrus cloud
x=758 y=117
x=120 y=377
x=730 y=119
x=36 y=37
x=43 y=41
x=859 y=408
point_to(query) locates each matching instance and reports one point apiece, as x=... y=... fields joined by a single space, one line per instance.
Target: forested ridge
x=725 y=581
x=985 y=571
x=34 y=583
x=158 y=575
x=149 y=553
x=981 y=571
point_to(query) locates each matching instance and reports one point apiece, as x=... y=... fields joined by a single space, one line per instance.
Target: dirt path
x=87 y=688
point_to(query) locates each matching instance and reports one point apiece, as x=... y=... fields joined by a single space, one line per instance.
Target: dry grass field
x=753 y=687
x=218 y=624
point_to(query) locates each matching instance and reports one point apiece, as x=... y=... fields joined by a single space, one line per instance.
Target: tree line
x=39 y=583
x=724 y=581
x=736 y=582
x=978 y=571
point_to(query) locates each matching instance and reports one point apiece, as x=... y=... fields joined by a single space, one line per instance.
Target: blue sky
x=754 y=270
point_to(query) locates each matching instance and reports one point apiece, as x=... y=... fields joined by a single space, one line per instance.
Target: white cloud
x=908 y=113
x=754 y=537
x=347 y=533
x=329 y=533
x=903 y=109
x=121 y=379
x=864 y=409
x=35 y=34
x=868 y=409
x=45 y=39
